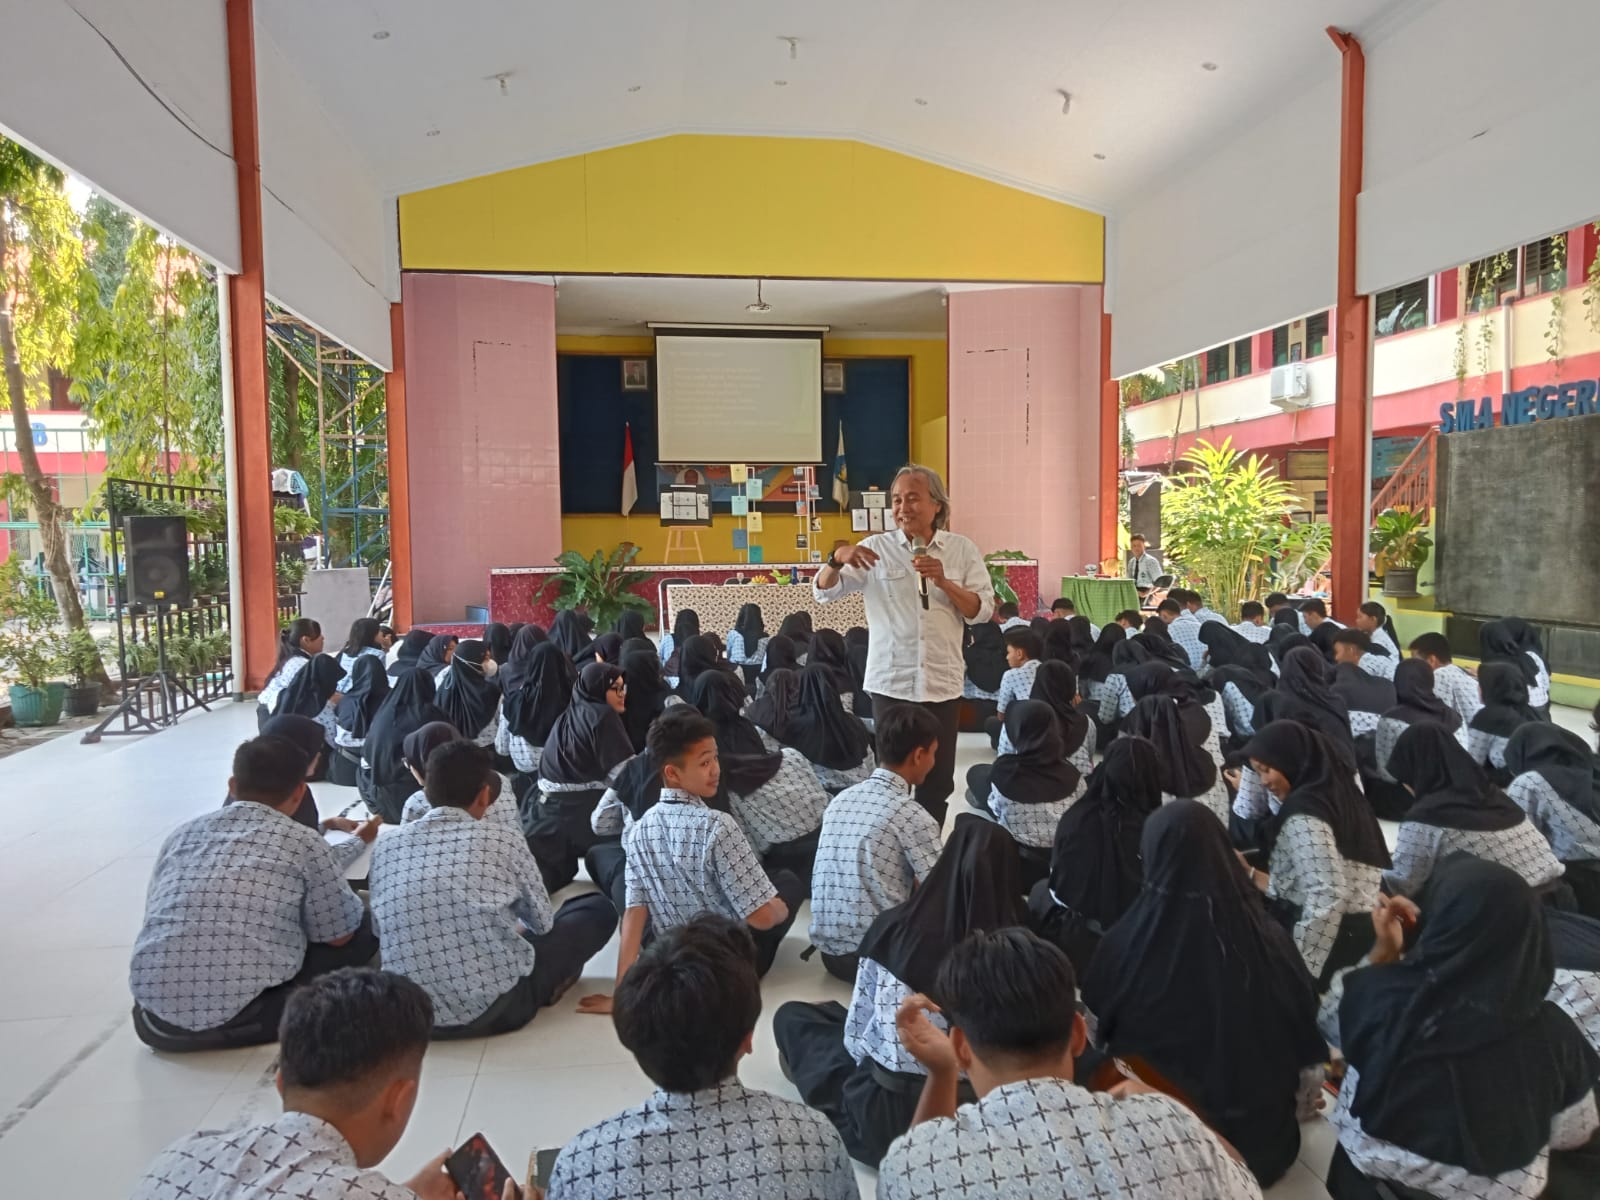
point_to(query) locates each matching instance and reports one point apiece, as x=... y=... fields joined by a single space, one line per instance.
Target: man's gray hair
x=935 y=489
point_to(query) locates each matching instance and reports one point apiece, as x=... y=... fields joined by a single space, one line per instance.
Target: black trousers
x=256 y=1024
x=791 y=891
x=933 y=793
x=1584 y=880
x=343 y=764
x=841 y=966
x=583 y=925
x=798 y=857
x=992 y=727
x=559 y=833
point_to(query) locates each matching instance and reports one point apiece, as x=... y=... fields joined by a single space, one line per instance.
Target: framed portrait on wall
x=636 y=374
x=833 y=376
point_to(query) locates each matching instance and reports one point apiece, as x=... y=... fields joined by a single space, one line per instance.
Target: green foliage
x=80 y=657
x=291 y=572
x=43 y=271
x=31 y=643
x=1555 y=330
x=1303 y=549
x=1223 y=520
x=208 y=573
x=600 y=585
x=996 y=561
x=291 y=523
x=1400 y=538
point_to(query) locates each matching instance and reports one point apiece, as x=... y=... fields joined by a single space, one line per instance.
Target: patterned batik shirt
x=1308 y=870
x=1388 y=734
x=1116 y=701
x=1378 y=666
x=235 y=897
x=502 y=813
x=1522 y=848
x=1487 y=749
x=1204 y=614
x=450 y=897
x=1241 y=712
x=296 y=1157
x=876 y=844
x=685 y=859
x=786 y=807
x=1577 y=993
x=835 y=780
x=1458 y=689
x=869 y=1027
x=1185 y=631
x=728 y=1142
x=1016 y=684
x=1251 y=632
x=1043 y=1139
x=1572 y=835
x=737 y=652
x=1034 y=825
x=1380 y=637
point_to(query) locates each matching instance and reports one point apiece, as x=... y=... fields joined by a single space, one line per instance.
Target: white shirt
x=1144 y=570
x=915 y=654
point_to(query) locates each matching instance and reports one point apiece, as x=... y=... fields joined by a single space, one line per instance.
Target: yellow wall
x=929 y=404
x=700 y=204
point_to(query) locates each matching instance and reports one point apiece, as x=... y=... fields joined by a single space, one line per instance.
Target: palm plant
x=601 y=585
x=1400 y=538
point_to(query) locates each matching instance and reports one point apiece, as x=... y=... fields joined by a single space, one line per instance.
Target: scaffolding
x=352 y=442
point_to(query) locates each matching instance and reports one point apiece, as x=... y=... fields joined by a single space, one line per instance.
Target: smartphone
x=544 y=1163
x=477 y=1170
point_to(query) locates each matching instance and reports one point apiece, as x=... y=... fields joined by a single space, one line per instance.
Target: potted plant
x=141 y=658
x=30 y=647
x=601 y=585
x=292 y=524
x=291 y=573
x=208 y=573
x=80 y=658
x=1401 y=543
x=996 y=561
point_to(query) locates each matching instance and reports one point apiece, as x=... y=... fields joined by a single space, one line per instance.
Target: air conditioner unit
x=1291 y=386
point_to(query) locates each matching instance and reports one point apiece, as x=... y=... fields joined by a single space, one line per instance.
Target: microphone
x=918 y=549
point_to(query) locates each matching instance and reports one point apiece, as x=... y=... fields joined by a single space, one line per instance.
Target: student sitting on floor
x=1414 y=704
x=1512 y=640
x=834 y=742
x=685 y=858
x=1450 y=683
x=877 y=842
x=1354 y=647
x=383 y=779
x=1131 y=621
x=1556 y=781
x=1009 y=616
x=462 y=909
x=1032 y=786
x=852 y=1064
x=306 y=737
x=245 y=904
x=298 y=643
x=1180 y=729
x=360 y=700
x=983 y=650
x=1252 y=626
x=349 y=1062
x=747 y=642
x=1023 y=652
x=1008 y=998
x=418 y=746
x=1506 y=709
x=1373 y=620
x=469 y=695
x=688 y=1012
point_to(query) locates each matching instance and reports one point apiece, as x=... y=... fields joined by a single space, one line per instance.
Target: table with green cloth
x=1100 y=599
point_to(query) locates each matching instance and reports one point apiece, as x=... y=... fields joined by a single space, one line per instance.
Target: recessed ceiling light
x=433 y=133
x=636 y=87
x=1100 y=157
x=780 y=83
x=921 y=102
x=1208 y=66
x=379 y=35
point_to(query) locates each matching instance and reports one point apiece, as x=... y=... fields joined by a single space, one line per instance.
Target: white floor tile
x=1298 y=1184
x=1317 y=1140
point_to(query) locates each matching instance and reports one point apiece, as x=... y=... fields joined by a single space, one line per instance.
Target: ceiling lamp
x=760 y=306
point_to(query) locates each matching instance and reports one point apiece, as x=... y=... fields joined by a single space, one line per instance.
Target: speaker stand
x=160 y=683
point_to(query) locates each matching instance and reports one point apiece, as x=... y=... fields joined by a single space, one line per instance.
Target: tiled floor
x=83 y=1106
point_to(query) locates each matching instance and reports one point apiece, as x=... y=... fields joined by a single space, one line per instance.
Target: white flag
x=630 y=477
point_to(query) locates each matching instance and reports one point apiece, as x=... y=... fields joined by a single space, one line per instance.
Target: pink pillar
x=482 y=434
x=1025 y=424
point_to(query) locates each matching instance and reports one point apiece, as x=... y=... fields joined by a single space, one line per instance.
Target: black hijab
x=1148 y=678
x=773 y=709
x=1055 y=684
x=466 y=695
x=985 y=654
x=1081 y=631
x=1463 y=1020
x=1036 y=771
x=746 y=764
x=1237 y=660
x=1505 y=700
x=607 y=648
x=1199 y=980
x=638 y=784
x=829 y=651
x=819 y=727
x=1098 y=663
x=1303 y=695
x=515 y=667
x=685 y=625
x=647 y=694
x=749 y=626
x=1451 y=789
x=420 y=743
x=313 y=686
x=975 y=886
x=409 y=707
x=1059 y=645
x=369 y=687
x=498 y=638
x=1321 y=785
x=1322 y=638
x=1362 y=692
x=542 y=695
x=589 y=739
x=1158 y=643
x=1094 y=865
x=411 y=648
x=432 y=657
x=797 y=628
x=781 y=656
x=699 y=654
x=570 y=631
x=629 y=624
x=1563 y=759
x=1415 y=700
x=1510 y=640
x=1178 y=730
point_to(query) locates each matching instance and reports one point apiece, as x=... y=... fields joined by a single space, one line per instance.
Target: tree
x=41 y=270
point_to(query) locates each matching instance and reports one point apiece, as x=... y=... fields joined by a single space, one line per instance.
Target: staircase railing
x=1412 y=486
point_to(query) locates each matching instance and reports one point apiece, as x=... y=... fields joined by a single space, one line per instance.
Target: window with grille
x=1217 y=365
x=1241 y=358
x=1490 y=280
x=1280 y=346
x=1401 y=308
x=1544 y=265
x=1316 y=333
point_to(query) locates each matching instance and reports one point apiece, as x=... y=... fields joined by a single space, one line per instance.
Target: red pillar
x=248 y=300
x=1348 y=485
x=394 y=395
x=1110 y=444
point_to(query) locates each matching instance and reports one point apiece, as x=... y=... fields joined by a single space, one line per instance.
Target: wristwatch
x=834 y=562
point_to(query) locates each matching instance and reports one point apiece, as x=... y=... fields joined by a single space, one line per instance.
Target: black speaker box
x=158 y=560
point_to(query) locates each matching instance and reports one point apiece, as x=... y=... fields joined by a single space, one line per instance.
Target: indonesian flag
x=630 y=477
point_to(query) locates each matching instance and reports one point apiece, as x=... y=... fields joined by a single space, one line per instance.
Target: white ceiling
x=591 y=73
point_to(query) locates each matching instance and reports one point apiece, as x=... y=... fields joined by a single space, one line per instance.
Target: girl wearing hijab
x=648 y=694
x=1199 y=983
x=587 y=743
x=1081 y=635
x=747 y=642
x=512 y=672
x=835 y=743
x=1059 y=644
x=797 y=628
x=469 y=695
x=1240 y=671
x=1505 y=710
x=1575 y=940
x=364 y=639
x=1556 y=781
x=1032 y=787
x=498 y=638
x=775 y=797
x=698 y=655
x=1179 y=729
x=313 y=692
x=984 y=652
x=409 y=651
x=1093 y=674
x=780 y=656
x=570 y=631
x=300 y=641
x=684 y=626
x=629 y=625
x=305 y=735
x=383 y=778
x=365 y=694
x=1458 y=809
x=851 y=1065
x=607 y=648
x=772 y=711
x=1056 y=684
x=436 y=655
x=543 y=693
x=1512 y=640
x=1415 y=704
x=1463 y=1078
x=1095 y=870
x=1326 y=855
x=417 y=747
x=829 y=652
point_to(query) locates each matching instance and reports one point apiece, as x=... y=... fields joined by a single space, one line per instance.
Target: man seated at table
x=1144 y=568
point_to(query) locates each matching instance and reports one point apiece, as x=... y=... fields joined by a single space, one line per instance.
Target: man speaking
x=921 y=586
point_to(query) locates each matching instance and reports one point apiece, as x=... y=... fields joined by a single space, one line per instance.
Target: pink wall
x=483 y=438
x=1025 y=424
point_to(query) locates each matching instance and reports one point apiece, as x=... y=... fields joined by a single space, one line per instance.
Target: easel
x=680 y=540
